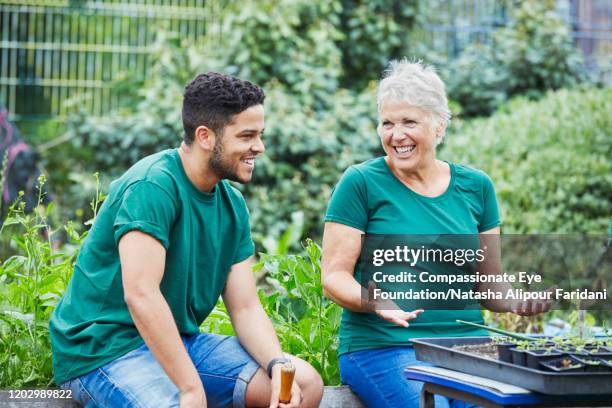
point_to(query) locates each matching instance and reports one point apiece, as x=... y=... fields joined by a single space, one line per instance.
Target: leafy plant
x=549 y=160
x=495 y=340
x=525 y=345
x=310 y=141
x=374 y=32
x=31 y=283
x=33 y=280
x=305 y=321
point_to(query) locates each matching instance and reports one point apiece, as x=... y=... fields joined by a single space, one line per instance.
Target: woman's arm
x=341 y=249
x=490 y=242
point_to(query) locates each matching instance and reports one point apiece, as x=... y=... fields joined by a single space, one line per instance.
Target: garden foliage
x=304 y=54
x=549 y=161
x=32 y=281
x=312 y=46
x=35 y=277
x=533 y=53
x=309 y=141
x=306 y=322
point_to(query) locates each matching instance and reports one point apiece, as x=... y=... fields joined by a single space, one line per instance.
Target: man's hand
x=296 y=392
x=194 y=398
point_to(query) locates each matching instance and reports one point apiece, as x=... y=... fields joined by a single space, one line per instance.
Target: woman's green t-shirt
x=370 y=198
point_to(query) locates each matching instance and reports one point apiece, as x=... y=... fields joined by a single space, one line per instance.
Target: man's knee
x=311 y=379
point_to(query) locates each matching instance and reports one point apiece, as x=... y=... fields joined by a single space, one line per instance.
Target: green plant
x=310 y=141
x=305 y=321
x=549 y=160
x=541 y=343
x=525 y=345
x=549 y=350
x=31 y=283
x=591 y=361
x=374 y=32
x=577 y=342
x=501 y=340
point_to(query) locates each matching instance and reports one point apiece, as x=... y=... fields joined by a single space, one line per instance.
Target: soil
x=565 y=363
x=486 y=350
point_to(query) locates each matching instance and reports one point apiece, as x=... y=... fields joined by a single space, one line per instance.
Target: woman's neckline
x=443 y=195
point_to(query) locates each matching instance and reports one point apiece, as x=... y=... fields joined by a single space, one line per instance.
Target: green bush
x=532 y=54
x=311 y=46
x=374 y=32
x=32 y=280
x=307 y=323
x=549 y=160
x=302 y=53
x=291 y=41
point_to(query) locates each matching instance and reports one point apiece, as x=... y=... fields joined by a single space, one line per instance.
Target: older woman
x=408 y=191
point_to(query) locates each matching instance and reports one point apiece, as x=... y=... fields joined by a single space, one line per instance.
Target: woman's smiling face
x=407 y=135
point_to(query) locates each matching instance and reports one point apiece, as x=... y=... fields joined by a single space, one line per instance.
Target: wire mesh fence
x=51 y=50
x=450 y=25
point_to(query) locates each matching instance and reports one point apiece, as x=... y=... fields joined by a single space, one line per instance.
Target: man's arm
x=142 y=266
x=251 y=323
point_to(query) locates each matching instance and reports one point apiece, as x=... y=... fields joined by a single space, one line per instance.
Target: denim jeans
x=377 y=377
x=137 y=380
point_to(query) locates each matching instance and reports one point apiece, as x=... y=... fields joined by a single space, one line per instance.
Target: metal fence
x=592 y=29
x=51 y=50
x=450 y=25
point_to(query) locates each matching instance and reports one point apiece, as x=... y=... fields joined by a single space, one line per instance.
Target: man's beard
x=222 y=169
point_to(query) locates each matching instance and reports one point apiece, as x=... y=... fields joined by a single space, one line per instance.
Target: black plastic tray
x=439 y=352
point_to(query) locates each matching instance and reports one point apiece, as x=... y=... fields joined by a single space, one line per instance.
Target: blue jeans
x=137 y=380
x=377 y=377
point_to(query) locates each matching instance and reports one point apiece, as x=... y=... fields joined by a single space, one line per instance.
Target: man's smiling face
x=235 y=150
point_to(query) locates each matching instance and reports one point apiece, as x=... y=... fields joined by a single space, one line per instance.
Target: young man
x=170 y=238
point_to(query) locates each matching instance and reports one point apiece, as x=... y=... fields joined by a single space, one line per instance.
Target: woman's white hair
x=418 y=85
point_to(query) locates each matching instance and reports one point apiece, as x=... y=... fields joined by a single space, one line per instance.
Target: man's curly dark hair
x=212 y=100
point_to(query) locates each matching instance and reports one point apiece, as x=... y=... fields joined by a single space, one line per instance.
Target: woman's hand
x=398 y=316
x=388 y=310
x=532 y=307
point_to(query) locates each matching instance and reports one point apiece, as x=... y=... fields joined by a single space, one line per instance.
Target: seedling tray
x=439 y=351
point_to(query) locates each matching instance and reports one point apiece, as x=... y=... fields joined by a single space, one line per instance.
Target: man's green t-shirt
x=370 y=198
x=204 y=235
